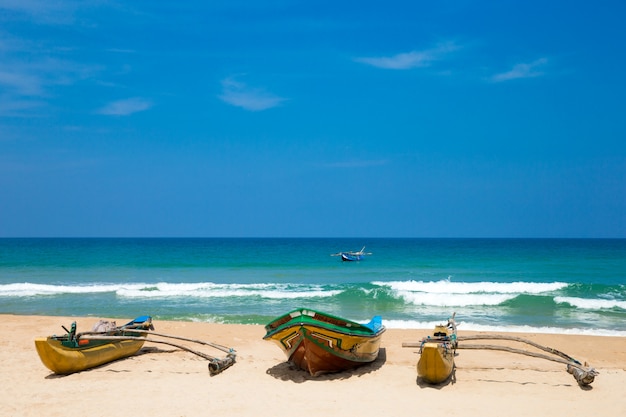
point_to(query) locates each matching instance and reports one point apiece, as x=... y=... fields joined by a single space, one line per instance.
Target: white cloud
x=408 y=60
x=20 y=83
x=521 y=71
x=254 y=99
x=125 y=107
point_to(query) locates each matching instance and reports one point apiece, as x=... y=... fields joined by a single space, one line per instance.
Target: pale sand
x=163 y=381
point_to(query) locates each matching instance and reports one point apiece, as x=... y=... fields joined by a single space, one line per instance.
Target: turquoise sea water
x=542 y=285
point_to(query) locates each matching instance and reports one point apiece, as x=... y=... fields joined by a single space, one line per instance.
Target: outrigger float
x=582 y=373
x=76 y=352
x=436 y=362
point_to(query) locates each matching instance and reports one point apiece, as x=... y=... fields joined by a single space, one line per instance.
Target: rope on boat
x=216 y=365
x=583 y=374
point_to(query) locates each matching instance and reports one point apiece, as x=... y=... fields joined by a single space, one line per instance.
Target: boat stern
x=436 y=362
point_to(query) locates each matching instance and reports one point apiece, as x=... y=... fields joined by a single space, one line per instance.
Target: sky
x=283 y=118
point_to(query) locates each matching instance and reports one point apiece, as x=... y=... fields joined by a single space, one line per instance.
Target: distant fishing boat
x=321 y=343
x=75 y=352
x=437 y=352
x=351 y=256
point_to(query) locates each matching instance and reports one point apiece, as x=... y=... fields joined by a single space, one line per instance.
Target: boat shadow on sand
x=450 y=381
x=286 y=371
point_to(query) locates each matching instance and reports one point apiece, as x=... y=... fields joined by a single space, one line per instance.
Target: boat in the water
x=322 y=343
x=75 y=352
x=437 y=351
x=351 y=256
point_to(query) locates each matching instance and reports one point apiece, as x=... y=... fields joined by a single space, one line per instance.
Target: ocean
x=575 y=286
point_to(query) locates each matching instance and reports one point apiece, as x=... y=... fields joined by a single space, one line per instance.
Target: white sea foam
x=28 y=290
x=456 y=300
x=591 y=303
x=213 y=290
x=164 y=289
x=463 y=294
x=449 y=287
x=426 y=326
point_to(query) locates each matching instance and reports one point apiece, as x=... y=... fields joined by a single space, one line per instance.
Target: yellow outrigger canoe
x=75 y=352
x=437 y=352
x=321 y=343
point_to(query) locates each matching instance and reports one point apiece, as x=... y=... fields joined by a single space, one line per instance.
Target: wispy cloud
x=20 y=83
x=10 y=106
x=522 y=70
x=254 y=99
x=42 y=11
x=125 y=107
x=408 y=60
x=23 y=80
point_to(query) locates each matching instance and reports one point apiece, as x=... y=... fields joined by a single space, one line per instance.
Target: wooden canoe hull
x=318 y=347
x=64 y=360
x=436 y=362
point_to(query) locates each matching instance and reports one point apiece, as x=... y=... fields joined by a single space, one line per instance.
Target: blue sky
x=312 y=119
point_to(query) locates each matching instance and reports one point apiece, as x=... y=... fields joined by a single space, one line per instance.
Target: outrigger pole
x=584 y=374
x=216 y=365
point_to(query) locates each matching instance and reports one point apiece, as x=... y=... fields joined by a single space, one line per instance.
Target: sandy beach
x=164 y=381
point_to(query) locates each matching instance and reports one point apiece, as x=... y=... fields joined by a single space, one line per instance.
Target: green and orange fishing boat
x=75 y=352
x=322 y=343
